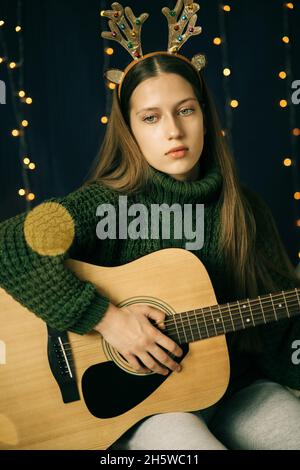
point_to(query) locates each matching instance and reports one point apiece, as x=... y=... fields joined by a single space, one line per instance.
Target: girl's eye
x=146 y=119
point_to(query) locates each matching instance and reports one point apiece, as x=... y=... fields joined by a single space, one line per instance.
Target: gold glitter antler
x=177 y=21
x=118 y=22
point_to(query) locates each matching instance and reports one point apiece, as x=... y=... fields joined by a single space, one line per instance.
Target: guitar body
x=112 y=396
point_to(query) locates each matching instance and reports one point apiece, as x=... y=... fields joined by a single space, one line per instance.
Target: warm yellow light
x=102 y=12
x=104 y=120
x=26 y=160
x=298 y=223
x=297 y=195
x=109 y=51
x=296 y=131
x=226 y=8
x=18 y=29
x=289 y=5
x=22 y=192
x=31 y=166
x=15 y=132
x=22 y=93
x=217 y=41
x=2 y=23
x=28 y=100
x=283 y=103
x=223 y=133
x=287 y=162
x=286 y=39
x=30 y=197
x=234 y=103
x=12 y=65
x=25 y=123
x=1 y=60
x=298 y=254
x=282 y=75
x=111 y=86
x=226 y=72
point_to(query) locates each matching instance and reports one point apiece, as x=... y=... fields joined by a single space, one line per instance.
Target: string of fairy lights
x=19 y=99
x=286 y=75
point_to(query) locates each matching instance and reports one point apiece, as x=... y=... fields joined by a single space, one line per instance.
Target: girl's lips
x=178 y=153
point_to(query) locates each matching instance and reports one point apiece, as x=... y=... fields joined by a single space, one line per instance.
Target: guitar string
x=179 y=329
x=232 y=313
x=226 y=325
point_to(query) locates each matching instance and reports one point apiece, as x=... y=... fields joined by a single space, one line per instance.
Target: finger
x=152 y=364
x=158 y=316
x=135 y=364
x=164 y=358
x=168 y=344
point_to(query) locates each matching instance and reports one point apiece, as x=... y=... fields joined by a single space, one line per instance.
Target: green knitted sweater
x=33 y=247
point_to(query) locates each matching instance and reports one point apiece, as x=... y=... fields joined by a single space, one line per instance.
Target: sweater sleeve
x=278 y=338
x=33 y=248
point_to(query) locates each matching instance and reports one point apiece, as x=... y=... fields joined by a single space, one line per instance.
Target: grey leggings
x=263 y=415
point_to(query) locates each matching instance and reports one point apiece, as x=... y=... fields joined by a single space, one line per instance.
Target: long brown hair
x=121 y=166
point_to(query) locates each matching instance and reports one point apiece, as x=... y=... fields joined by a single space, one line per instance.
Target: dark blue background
x=63 y=73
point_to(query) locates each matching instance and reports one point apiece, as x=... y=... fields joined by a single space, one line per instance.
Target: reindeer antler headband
x=183 y=16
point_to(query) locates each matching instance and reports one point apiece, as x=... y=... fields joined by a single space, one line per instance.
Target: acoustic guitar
x=60 y=390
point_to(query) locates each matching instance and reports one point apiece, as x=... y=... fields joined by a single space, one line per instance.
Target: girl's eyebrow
x=177 y=104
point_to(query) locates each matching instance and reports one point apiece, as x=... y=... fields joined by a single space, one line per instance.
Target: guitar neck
x=186 y=327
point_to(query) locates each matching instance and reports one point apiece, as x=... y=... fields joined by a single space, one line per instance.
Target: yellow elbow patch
x=49 y=229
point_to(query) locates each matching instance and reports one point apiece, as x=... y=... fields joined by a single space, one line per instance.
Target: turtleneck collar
x=207 y=188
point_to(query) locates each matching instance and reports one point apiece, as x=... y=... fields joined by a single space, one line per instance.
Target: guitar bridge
x=61 y=364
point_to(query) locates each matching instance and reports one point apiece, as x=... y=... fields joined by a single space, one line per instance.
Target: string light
x=234 y=103
x=217 y=41
x=287 y=76
x=283 y=103
x=287 y=162
x=221 y=39
x=104 y=119
x=19 y=99
x=282 y=75
x=109 y=51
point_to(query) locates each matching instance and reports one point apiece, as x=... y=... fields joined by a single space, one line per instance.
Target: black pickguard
x=109 y=391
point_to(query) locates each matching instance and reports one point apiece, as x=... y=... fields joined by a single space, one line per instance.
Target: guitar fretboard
x=186 y=327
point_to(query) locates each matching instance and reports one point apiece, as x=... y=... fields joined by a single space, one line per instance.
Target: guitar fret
x=217 y=322
x=210 y=309
x=238 y=303
x=177 y=331
x=296 y=290
x=197 y=323
x=219 y=307
x=188 y=318
x=287 y=309
x=205 y=323
x=251 y=312
x=262 y=310
x=273 y=307
x=228 y=306
x=186 y=340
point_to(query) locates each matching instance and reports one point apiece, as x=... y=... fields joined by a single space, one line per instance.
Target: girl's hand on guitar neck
x=129 y=330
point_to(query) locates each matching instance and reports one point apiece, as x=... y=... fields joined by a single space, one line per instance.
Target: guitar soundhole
x=109 y=391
